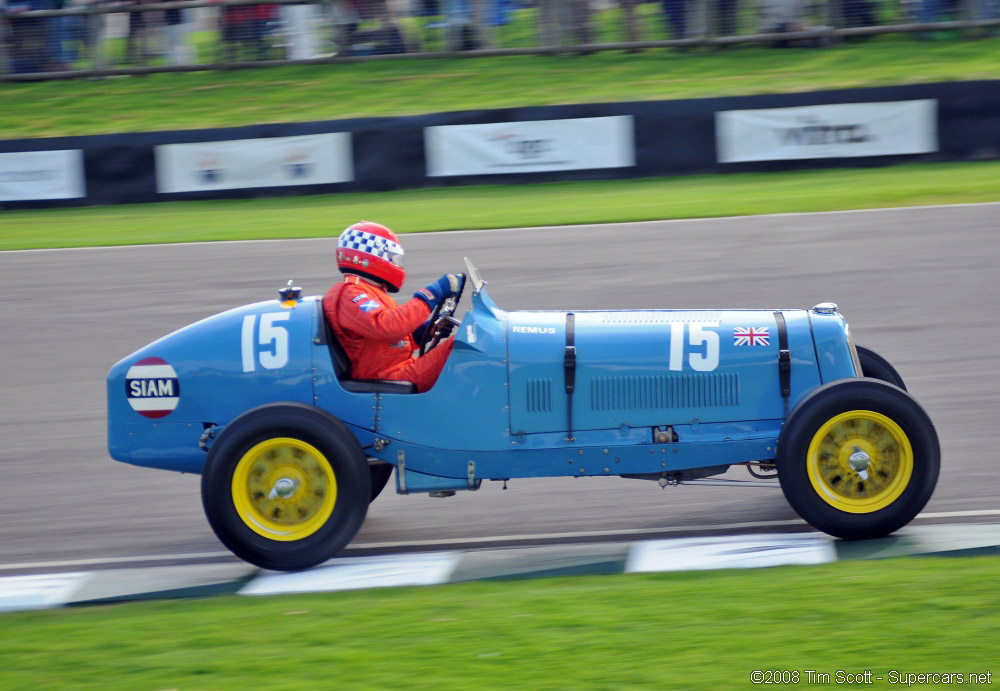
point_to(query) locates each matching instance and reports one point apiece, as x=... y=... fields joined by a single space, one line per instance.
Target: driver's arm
x=369 y=318
x=362 y=315
x=419 y=331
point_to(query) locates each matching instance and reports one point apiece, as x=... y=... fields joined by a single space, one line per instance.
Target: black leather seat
x=342 y=364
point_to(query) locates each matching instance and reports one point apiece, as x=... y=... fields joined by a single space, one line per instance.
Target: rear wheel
x=877 y=367
x=858 y=458
x=285 y=486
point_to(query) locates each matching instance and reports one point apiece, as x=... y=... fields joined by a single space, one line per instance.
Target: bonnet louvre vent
x=659 y=392
x=539 y=395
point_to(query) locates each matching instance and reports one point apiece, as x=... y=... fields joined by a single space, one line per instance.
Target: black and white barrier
x=857 y=127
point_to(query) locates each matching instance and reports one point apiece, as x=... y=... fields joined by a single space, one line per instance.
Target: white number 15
x=697 y=336
x=273 y=336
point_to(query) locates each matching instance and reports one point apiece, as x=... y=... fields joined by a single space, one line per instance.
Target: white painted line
x=415 y=234
x=961 y=514
x=491 y=539
x=101 y=561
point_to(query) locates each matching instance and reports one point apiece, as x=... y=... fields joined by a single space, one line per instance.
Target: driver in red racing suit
x=378 y=335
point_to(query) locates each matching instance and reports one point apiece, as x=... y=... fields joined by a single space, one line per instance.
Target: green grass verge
x=699 y=630
x=449 y=208
x=320 y=92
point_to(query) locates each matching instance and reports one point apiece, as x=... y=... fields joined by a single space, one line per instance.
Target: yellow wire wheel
x=860 y=461
x=284 y=489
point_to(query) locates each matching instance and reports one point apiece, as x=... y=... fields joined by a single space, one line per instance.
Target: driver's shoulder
x=347 y=290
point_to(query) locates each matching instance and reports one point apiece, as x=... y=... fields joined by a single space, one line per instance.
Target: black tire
x=824 y=435
x=380 y=473
x=293 y=448
x=877 y=367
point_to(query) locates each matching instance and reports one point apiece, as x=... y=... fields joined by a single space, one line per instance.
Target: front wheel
x=858 y=458
x=285 y=486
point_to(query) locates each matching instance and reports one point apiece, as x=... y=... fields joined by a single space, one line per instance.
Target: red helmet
x=373 y=251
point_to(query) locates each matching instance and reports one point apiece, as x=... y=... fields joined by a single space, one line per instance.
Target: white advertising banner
x=41 y=175
x=532 y=146
x=843 y=130
x=314 y=159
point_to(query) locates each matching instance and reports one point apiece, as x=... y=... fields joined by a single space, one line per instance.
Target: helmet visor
x=395 y=255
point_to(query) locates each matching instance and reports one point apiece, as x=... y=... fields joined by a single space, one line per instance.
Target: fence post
x=704 y=15
x=967 y=12
x=484 y=29
x=4 y=33
x=548 y=30
x=94 y=37
x=835 y=13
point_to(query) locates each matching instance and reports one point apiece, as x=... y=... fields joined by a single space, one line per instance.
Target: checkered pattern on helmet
x=376 y=245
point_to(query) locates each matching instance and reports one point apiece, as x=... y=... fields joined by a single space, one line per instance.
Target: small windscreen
x=473 y=275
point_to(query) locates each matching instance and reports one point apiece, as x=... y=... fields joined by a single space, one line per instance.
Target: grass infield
x=450 y=208
x=413 y=86
x=697 y=630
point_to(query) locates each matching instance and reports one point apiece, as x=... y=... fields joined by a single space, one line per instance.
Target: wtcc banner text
x=533 y=146
x=315 y=159
x=844 y=130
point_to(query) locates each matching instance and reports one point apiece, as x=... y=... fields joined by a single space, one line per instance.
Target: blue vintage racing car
x=260 y=401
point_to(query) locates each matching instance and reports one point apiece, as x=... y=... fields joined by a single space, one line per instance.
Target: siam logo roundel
x=152 y=387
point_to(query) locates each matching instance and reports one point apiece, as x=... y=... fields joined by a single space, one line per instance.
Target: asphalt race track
x=920 y=286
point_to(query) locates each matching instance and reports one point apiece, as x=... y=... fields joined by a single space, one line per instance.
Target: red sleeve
x=372 y=314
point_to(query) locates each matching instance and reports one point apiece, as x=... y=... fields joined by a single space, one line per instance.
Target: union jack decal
x=751 y=336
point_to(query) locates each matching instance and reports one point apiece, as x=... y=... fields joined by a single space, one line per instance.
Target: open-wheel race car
x=260 y=401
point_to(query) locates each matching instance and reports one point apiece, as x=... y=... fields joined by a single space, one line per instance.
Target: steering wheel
x=442 y=314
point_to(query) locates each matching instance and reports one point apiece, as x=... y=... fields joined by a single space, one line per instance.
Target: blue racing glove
x=438 y=290
x=442 y=332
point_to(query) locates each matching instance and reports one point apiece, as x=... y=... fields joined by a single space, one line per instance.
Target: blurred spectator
x=988 y=9
x=136 y=47
x=561 y=18
x=726 y=17
x=929 y=11
x=675 y=13
x=633 y=31
x=67 y=33
x=32 y=45
x=859 y=13
x=179 y=51
x=345 y=20
x=462 y=31
x=498 y=12
x=785 y=16
x=244 y=31
x=777 y=16
x=385 y=39
x=460 y=26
